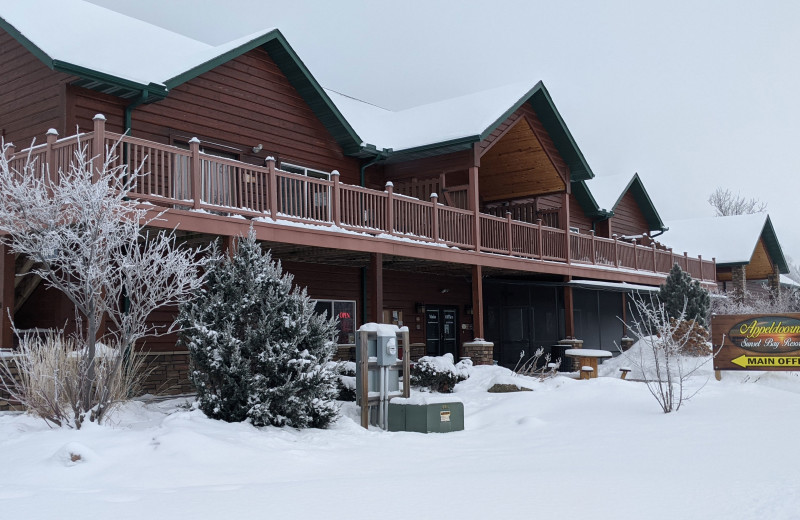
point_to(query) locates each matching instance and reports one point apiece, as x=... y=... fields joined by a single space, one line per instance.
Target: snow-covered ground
x=570 y=449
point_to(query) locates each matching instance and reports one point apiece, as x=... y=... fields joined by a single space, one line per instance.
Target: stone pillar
x=738 y=282
x=626 y=343
x=479 y=351
x=569 y=364
x=774 y=282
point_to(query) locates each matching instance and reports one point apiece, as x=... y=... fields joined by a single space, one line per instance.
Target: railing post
x=98 y=145
x=655 y=263
x=273 y=188
x=539 y=238
x=510 y=246
x=594 y=251
x=50 y=160
x=336 y=199
x=435 y=217
x=10 y=151
x=616 y=250
x=635 y=255
x=714 y=270
x=671 y=259
x=389 y=207
x=700 y=258
x=195 y=172
x=686 y=262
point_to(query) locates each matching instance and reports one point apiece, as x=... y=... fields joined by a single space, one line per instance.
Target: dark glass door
x=441 y=330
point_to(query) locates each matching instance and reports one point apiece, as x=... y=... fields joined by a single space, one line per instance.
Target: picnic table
x=587 y=357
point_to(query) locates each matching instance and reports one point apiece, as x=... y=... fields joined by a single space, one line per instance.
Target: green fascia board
x=25 y=42
x=298 y=75
x=555 y=126
x=586 y=201
x=430 y=150
x=644 y=201
x=774 y=246
x=156 y=91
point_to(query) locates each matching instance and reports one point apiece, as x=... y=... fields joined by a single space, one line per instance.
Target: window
x=302 y=170
x=217 y=178
x=345 y=312
x=304 y=199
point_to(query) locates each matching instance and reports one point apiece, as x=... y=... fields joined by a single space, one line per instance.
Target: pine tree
x=679 y=288
x=258 y=349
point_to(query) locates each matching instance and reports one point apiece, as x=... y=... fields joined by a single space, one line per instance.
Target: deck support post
x=477 y=301
x=375 y=284
x=569 y=314
x=7 y=278
x=195 y=172
x=98 y=145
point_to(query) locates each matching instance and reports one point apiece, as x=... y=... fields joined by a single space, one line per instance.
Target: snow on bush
x=258 y=349
x=439 y=373
x=88 y=240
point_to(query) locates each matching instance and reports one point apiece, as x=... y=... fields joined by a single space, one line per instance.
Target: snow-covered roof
x=785 y=280
x=124 y=56
x=731 y=239
x=448 y=120
x=86 y=35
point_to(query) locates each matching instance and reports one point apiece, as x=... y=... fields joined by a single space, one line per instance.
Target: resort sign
x=756 y=341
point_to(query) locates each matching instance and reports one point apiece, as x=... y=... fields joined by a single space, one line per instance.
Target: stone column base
x=479 y=351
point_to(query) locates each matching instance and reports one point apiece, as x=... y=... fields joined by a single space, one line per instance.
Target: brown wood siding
x=547 y=143
x=31 y=97
x=628 y=218
x=429 y=166
x=85 y=104
x=577 y=218
x=401 y=290
x=246 y=102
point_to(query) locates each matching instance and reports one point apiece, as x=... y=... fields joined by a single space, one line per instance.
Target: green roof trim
x=298 y=75
x=586 y=201
x=642 y=198
x=554 y=124
x=107 y=81
x=25 y=42
x=773 y=247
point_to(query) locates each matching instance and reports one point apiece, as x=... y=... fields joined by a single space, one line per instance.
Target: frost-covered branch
x=87 y=239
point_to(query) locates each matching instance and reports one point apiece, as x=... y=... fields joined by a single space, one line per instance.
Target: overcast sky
x=691 y=95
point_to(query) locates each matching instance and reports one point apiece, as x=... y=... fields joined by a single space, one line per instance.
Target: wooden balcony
x=189 y=179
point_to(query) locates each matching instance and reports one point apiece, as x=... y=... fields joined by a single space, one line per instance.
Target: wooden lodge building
x=469 y=218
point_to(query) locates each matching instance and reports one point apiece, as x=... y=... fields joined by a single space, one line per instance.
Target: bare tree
x=660 y=359
x=725 y=203
x=89 y=241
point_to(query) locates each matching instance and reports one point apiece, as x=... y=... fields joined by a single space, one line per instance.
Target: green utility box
x=426 y=415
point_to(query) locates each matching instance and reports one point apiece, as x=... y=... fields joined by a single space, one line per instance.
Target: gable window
x=345 y=312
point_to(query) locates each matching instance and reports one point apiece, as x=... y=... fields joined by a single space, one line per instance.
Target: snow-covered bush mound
x=641 y=360
x=439 y=373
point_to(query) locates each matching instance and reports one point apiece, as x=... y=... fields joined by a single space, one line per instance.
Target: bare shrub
x=88 y=239
x=661 y=357
x=46 y=375
x=533 y=368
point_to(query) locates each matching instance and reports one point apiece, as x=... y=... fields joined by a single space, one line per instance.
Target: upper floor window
x=302 y=170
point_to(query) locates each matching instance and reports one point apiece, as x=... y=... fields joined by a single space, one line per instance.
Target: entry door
x=441 y=326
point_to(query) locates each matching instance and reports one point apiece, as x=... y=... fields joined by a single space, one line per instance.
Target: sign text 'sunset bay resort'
x=758 y=342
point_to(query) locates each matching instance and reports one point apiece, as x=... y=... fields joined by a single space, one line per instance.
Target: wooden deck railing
x=174 y=177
